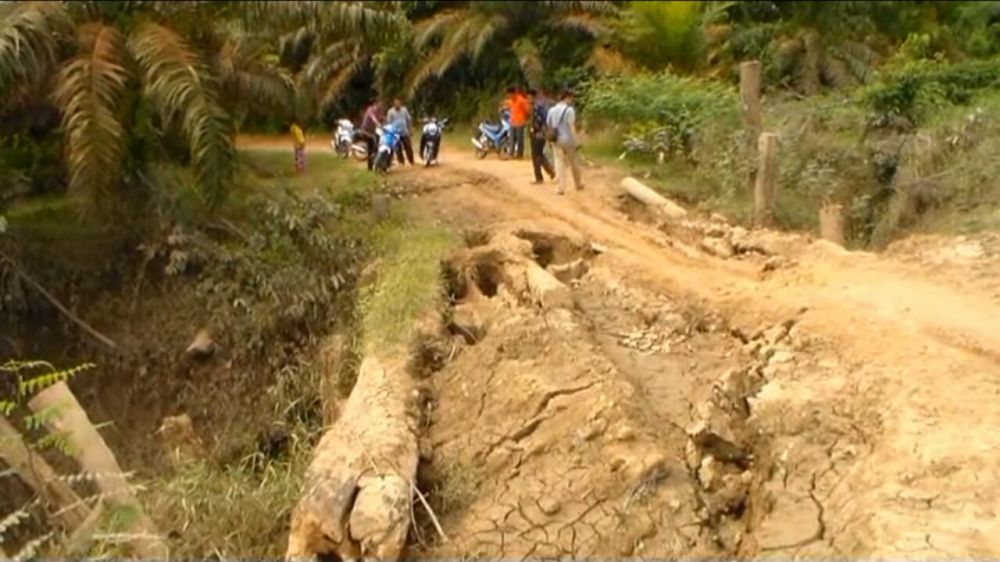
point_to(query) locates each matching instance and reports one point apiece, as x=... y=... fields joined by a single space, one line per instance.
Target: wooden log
x=65 y=416
x=654 y=200
x=59 y=497
x=547 y=291
x=765 y=187
x=357 y=493
x=831 y=223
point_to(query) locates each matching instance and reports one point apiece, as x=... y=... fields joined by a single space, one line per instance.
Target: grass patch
x=408 y=284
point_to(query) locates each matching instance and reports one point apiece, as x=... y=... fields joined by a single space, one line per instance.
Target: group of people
x=547 y=123
x=528 y=109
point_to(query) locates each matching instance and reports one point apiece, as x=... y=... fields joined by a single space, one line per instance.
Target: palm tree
x=464 y=31
x=324 y=45
x=104 y=62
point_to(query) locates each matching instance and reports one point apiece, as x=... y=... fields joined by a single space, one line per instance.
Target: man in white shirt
x=562 y=120
x=400 y=117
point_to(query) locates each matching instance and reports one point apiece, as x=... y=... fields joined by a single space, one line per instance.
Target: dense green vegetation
x=95 y=94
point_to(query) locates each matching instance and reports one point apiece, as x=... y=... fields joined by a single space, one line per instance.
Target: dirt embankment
x=704 y=389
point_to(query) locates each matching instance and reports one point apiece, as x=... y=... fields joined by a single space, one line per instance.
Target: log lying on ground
x=65 y=416
x=647 y=196
x=59 y=497
x=356 y=500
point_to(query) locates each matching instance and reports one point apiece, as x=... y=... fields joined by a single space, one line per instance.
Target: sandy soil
x=870 y=423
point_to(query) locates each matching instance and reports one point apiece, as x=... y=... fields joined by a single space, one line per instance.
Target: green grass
x=408 y=284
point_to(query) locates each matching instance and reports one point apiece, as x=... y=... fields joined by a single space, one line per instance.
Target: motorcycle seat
x=493 y=128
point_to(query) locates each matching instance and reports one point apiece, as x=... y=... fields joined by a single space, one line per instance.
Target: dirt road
x=872 y=420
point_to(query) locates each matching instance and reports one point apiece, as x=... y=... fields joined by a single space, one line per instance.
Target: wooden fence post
x=37 y=473
x=753 y=123
x=65 y=416
x=765 y=187
x=831 y=223
x=750 y=96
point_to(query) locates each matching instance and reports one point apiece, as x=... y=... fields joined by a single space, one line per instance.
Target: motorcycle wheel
x=480 y=153
x=506 y=150
x=360 y=155
x=381 y=163
x=427 y=156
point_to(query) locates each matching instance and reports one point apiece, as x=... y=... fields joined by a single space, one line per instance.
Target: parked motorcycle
x=430 y=139
x=496 y=138
x=346 y=144
x=388 y=140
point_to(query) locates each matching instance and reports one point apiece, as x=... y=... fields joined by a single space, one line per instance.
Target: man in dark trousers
x=539 y=112
x=369 y=123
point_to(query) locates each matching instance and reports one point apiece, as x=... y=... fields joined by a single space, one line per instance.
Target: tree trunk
x=65 y=416
x=357 y=493
x=765 y=188
x=58 y=496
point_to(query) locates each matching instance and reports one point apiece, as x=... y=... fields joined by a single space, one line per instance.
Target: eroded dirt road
x=704 y=389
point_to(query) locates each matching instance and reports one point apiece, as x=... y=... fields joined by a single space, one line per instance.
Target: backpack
x=551 y=134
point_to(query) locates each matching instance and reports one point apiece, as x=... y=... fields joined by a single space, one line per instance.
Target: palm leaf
x=590 y=24
x=27 y=45
x=89 y=89
x=245 y=75
x=178 y=84
x=468 y=38
x=530 y=61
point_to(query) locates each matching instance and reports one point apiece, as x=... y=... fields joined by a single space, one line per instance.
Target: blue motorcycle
x=495 y=137
x=388 y=140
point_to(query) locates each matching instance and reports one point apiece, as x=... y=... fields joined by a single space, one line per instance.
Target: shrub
x=670 y=110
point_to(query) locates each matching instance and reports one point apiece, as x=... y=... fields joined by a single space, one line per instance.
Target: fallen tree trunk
x=62 y=501
x=65 y=416
x=647 y=196
x=356 y=500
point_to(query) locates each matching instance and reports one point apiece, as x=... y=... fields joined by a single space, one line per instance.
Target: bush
x=662 y=109
x=916 y=89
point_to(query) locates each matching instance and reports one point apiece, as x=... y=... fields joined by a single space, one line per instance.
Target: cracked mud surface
x=843 y=403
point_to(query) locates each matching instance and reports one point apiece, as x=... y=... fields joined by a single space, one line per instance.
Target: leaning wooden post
x=831 y=223
x=753 y=123
x=65 y=416
x=765 y=187
x=70 y=511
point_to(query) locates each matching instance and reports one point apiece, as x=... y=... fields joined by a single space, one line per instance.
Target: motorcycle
x=495 y=138
x=388 y=140
x=430 y=139
x=345 y=141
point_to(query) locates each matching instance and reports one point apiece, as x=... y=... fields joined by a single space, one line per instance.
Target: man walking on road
x=561 y=121
x=400 y=117
x=539 y=111
x=369 y=123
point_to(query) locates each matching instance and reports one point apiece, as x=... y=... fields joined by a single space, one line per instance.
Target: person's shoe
x=560 y=192
x=537 y=182
x=579 y=188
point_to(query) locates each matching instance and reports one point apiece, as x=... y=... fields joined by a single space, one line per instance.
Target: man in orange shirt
x=520 y=111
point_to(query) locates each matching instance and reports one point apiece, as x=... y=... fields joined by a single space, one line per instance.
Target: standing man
x=539 y=111
x=369 y=123
x=299 y=148
x=520 y=113
x=562 y=122
x=400 y=117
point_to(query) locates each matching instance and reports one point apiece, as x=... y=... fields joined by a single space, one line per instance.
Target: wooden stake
x=65 y=416
x=765 y=187
x=60 y=498
x=753 y=123
x=831 y=223
x=750 y=96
